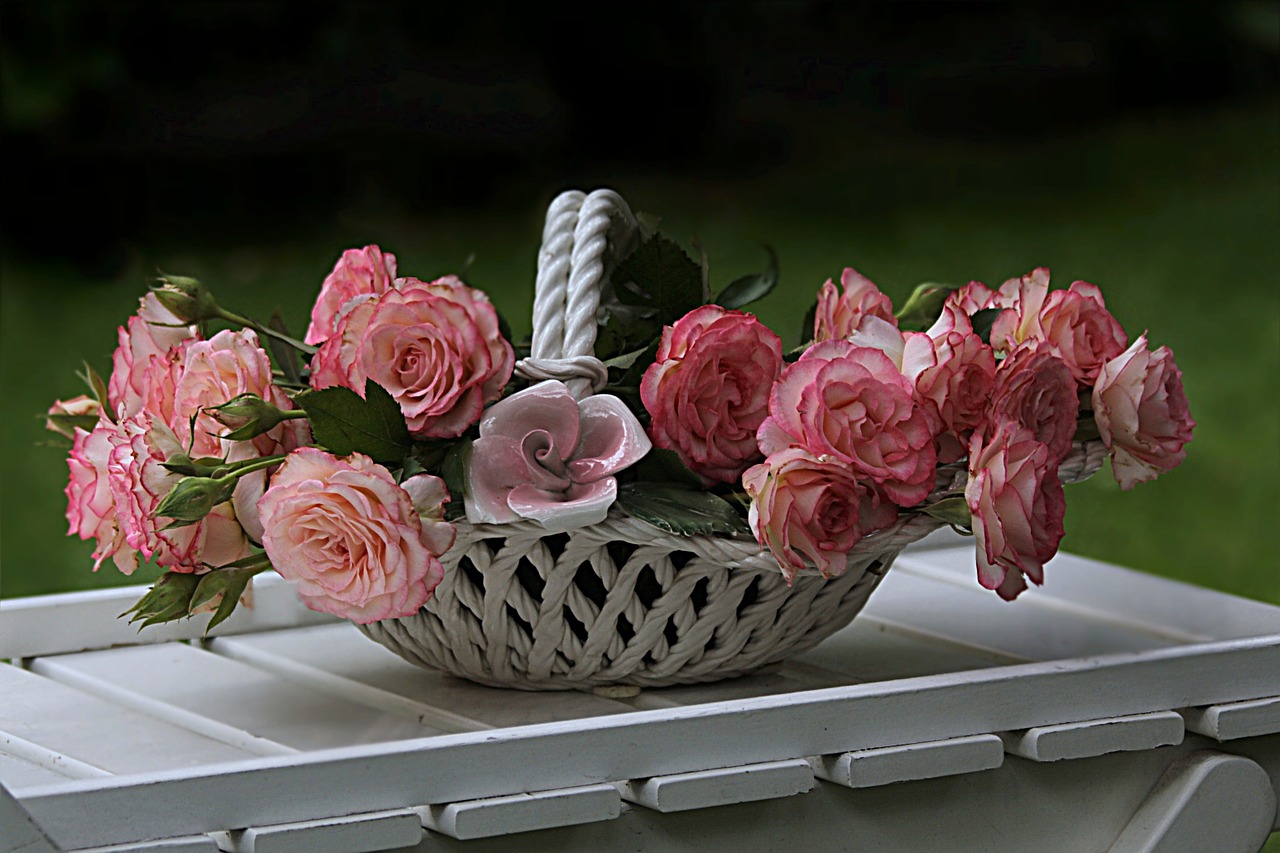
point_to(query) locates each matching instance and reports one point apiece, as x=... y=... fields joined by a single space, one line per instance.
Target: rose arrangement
x=345 y=460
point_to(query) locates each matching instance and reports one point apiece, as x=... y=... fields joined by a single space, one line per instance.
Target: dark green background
x=1132 y=145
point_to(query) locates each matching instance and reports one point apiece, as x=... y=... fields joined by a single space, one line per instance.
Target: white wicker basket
x=623 y=602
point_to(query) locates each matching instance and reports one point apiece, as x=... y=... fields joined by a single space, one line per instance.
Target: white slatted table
x=1112 y=711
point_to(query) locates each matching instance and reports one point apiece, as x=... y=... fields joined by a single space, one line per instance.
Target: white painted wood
x=655 y=743
x=1234 y=720
x=20 y=833
x=60 y=766
x=1154 y=605
x=1096 y=737
x=185 y=844
x=90 y=620
x=485 y=818
x=255 y=710
x=342 y=651
x=1207 y=801
x=719 y=787
x=97 y=733
x=886 y=765
x=18 y=772
x=359 y=833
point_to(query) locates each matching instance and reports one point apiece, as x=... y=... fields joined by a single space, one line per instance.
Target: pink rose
x=139 y=482
x=152 y=332
x=352 y=540
x=838 y=313
x=852 y=403
x=1017 y=505
x=64 y=413
x=91 y=509
x=956 y=385
x=811 y=508
x=708 y=389
x=1142 y=413
x=204 y=374
x=1077 y=324
x=435 y=347
x=359 y=272
x=545 y=456
x=1035 y=388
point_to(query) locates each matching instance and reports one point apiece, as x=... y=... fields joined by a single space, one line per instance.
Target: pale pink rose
x=1077 y=324
x=545 y=456
x=91 y=510
x=811 y=510
x=1142 y=413
x=139 y=482
x=350 y=538
x=1034 y=387
x=150 y=333
x=435 y=347
x=708 y=389
x=838 y=314
x=205 y=374
x=359 y=272
x=82 y=406
x=956 y=384
x=853 y=403
x=1024 y=297
x=1017 y=505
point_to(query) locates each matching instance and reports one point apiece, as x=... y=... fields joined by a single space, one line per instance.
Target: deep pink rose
x=435 y=347
x=956 y=385
x=139 y=482
x=354 y=542
x=545 y=456
x=152 y=332
x=1035 y=387
x=838 y=314
x=708 y=389
x=1142 y=413
x=808 y=509
x=359 y=272
x=1077 y=324
x=204 y=374
x=91 y=510
x=853 y=403
x=1017 y=505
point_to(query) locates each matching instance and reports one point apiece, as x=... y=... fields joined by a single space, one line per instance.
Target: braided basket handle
x=583 y=236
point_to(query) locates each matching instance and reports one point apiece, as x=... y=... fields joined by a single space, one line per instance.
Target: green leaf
x=453 y=470
x=983 y=321
x=344 y=424
x=923 y=306
x=168 y=599
x=98 y=390
x=660 y=465
x=750 y=288
x=806 y=328
x=682 y=511
x=661 y=279
x=953 y=510
x=71 y=422
x=228 y=583
x=285 y=356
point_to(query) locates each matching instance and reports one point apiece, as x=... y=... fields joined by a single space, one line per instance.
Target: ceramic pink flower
x=708 y=389
x=205 y=374
x=1035 y=387
x=545 y=456
x=359 y=272
x=839 y=313
x=139 y=482
x=434 y=346
x=1077 y=324
x=355 y=543
x=1142 y=413
x=810 y=509
x=91 y=509
x=150 y=333
x=854 y=404
x=1017 y=506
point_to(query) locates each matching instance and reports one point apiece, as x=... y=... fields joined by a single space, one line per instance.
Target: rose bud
x=187 y=299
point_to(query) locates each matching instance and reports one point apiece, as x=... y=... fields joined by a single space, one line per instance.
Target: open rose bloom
x=403 y=421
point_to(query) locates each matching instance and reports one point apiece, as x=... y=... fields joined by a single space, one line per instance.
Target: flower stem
x=232 y=317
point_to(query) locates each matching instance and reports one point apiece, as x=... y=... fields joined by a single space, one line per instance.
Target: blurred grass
x=1175 y=217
